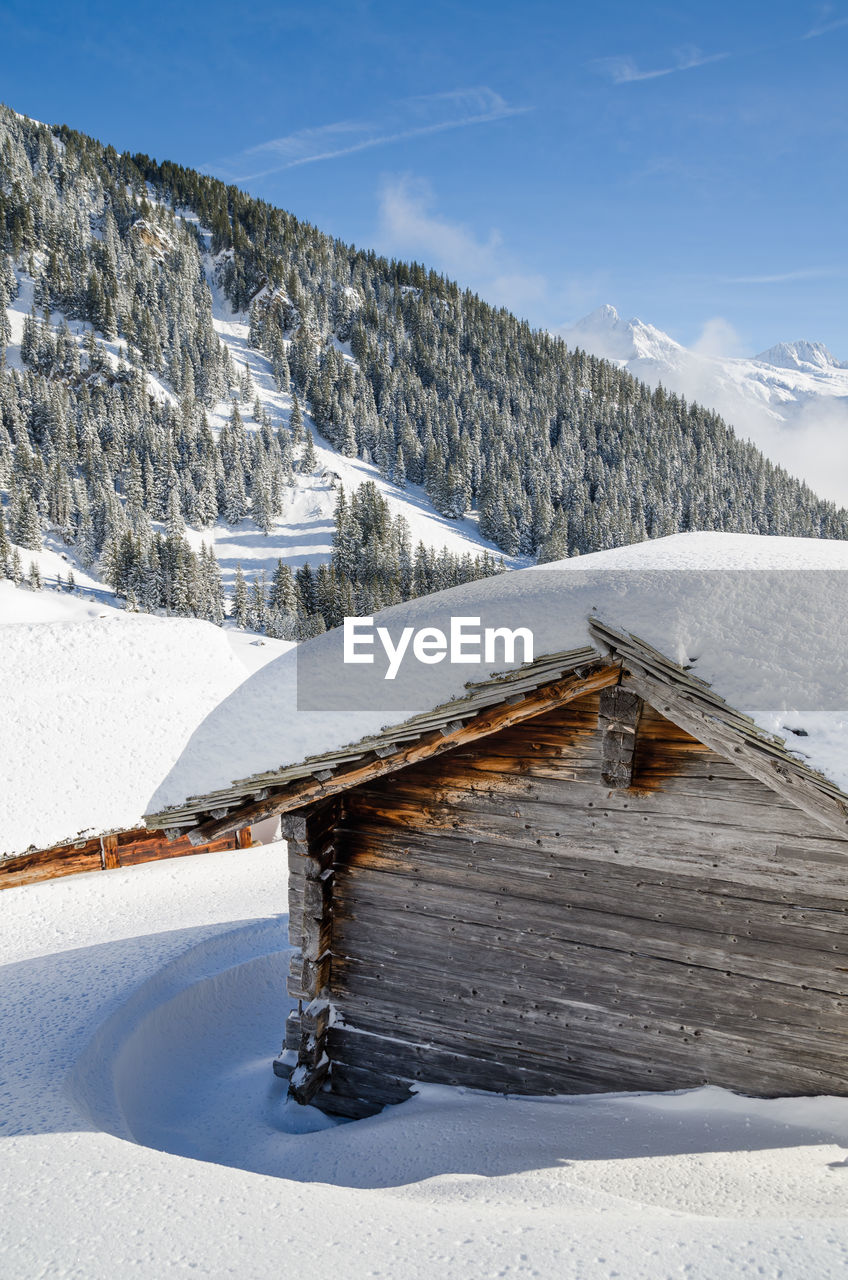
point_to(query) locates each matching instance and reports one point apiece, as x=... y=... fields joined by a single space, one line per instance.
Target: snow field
x=143 y=1130
x=98 y=707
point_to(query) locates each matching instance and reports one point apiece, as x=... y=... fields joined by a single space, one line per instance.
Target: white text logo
x=465 y=642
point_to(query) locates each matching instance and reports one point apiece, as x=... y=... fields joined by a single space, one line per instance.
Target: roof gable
x=691 y=704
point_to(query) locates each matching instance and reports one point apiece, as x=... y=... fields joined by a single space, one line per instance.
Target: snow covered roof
x=110 y=718
x=758 y=621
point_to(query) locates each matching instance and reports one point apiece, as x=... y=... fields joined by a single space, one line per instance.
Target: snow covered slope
x=56 y=602
x=305 y=530
x=791 y=400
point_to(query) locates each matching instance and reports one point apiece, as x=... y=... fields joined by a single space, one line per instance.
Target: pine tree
x=16 y=572
x=262 y=502
x=212 y=587
x=24 y=522
x=283 y=595
x=174 y=523
x=296 y=421
x=240 y=604
x=309 y=460
x=555 y=546
x=258 y=608
x=5 y=548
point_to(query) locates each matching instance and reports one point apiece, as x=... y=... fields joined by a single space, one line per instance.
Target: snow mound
x=100 y=710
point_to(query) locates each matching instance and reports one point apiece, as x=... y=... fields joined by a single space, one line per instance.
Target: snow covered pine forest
x=214 y=408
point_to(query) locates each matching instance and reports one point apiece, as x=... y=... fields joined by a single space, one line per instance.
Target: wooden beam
x=108 y=852
x=307 y=978
x=618 y=720
x=49 y=864
x=493 y=720
x=307 y=1080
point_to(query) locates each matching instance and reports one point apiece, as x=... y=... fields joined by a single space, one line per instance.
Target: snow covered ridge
x=604 y=333
x=767 y=634
x=792 y=400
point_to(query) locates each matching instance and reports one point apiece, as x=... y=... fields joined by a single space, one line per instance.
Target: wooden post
x=109 y=852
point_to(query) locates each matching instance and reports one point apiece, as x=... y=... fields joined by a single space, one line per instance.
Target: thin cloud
x=718 y=338
x=410 y=118
x=624 y=69
x=785 y=277
x=828 y=20
x=410 y=227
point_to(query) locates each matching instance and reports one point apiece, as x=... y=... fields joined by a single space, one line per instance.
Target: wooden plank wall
x=503 y=919
x=104 y=853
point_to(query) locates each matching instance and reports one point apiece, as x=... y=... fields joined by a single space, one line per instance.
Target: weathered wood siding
x=502 y=918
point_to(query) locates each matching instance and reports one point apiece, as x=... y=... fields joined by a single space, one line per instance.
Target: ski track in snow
x=305 y=529
x=143 y=1128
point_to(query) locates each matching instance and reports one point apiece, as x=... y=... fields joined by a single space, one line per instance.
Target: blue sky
x=684 y=161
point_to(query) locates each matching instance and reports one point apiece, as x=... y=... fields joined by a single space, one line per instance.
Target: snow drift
x=95 y=714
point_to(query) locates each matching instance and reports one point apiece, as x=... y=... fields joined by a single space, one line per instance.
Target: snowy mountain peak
x=605 y=334
x=606 y=314
x=800 y=355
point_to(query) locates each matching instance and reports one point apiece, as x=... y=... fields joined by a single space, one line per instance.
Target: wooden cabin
x=592 y=874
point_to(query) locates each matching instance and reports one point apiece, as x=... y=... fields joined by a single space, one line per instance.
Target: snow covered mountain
x=791 y=400
x=185 y=369
x=805 y=357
